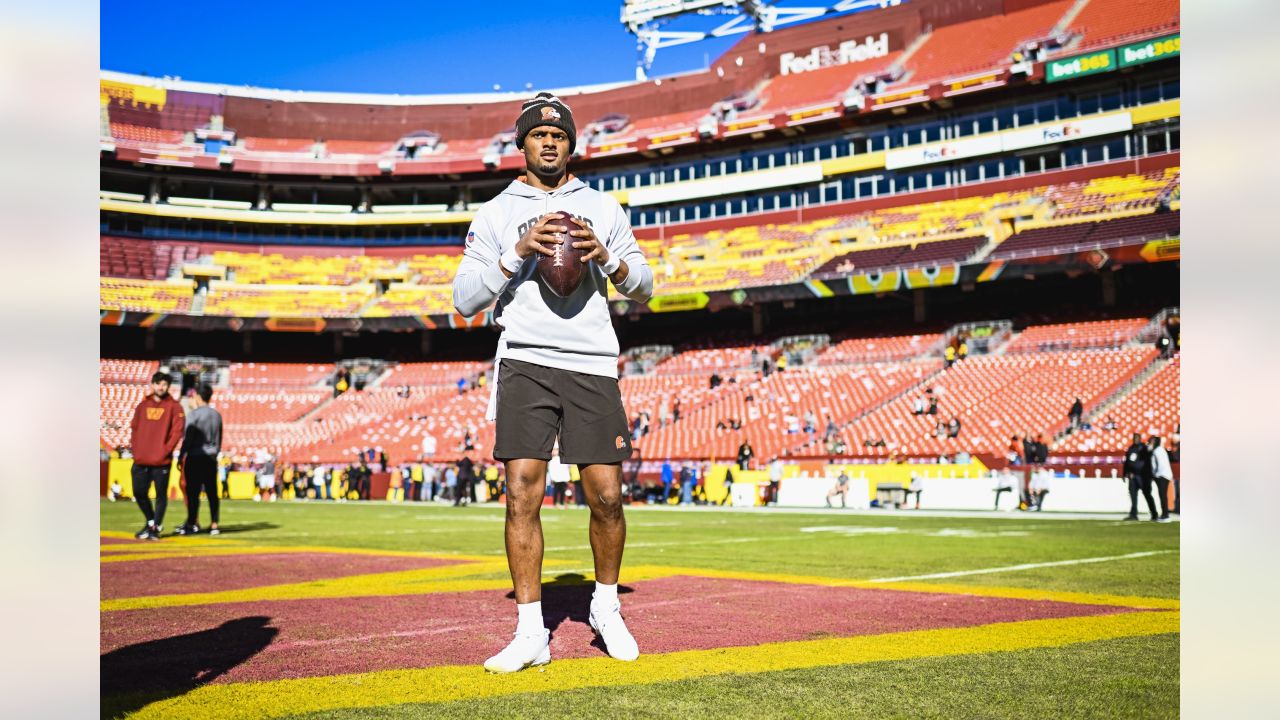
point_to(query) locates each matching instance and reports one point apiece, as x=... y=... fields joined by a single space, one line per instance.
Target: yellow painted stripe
x=406 y=582
x=853 y=163
x=491 y=574
x=1156 y=111
x=622 y=196
x=1014 y=593
x=444 y=684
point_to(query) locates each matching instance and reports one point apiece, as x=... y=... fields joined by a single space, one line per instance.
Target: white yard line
x=1015 y=568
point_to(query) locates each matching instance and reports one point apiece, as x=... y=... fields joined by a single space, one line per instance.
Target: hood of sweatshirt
x=519 y=188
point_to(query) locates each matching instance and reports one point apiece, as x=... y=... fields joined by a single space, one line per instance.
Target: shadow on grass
x=137 y=675
x=568 y=598
x=243 y=527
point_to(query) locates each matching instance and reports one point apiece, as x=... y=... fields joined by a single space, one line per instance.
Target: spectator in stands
x=953 y=427
x=1137 y=471
x=428 y=445
x=1109 y=423
x=917 y=405
x=810 y=423
x=782 y=361
x=341 y=382
x=157 y=428
x=949 y=355
x=664 y=413
x=939 y=429
x=1014 y=452
x=1162 y=473
x=791 y=423
x=932 y=399
x=644 y=423
x=1075 y=413
x=841 y=488
x=962 y=350
x=675 y=411
x=715 y=380
x=745 y=453
x=765 y=367
x=832 y=431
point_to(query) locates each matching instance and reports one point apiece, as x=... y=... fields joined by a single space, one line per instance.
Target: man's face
x=160 y=388
x=546 y=150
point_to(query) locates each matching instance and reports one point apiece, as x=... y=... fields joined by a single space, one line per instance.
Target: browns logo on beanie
x=545 y=109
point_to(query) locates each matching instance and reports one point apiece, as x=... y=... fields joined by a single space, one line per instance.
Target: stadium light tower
x=645 y=19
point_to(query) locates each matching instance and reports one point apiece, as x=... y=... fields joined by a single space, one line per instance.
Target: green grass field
x=1128 y=673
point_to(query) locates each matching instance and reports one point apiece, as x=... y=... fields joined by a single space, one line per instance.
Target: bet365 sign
x=1113 y=58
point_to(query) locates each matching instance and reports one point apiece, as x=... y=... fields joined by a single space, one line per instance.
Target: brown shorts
x=537 y=404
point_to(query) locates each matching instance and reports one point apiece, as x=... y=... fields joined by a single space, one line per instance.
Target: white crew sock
x=605 y=594
x=529 y=617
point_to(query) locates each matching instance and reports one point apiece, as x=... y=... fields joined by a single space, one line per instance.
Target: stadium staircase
x=1100 y=409
x=1064 y=25
x=896 y=70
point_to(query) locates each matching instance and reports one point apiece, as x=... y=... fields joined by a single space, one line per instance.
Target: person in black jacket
x=1137 y=470
x=745 y=453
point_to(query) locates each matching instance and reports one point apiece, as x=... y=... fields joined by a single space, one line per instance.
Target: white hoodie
x=571 y=333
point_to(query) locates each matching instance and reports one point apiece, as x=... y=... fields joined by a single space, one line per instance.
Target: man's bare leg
x=603 y=487
x=526 y=485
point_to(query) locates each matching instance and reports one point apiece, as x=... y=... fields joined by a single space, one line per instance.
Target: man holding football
x=556 y=370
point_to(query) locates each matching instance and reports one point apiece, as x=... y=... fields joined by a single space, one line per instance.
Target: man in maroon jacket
x=157 y=427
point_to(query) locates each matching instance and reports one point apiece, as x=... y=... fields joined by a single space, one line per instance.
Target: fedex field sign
x=849 y=51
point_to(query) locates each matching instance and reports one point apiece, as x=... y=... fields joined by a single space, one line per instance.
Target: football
x=563 y=272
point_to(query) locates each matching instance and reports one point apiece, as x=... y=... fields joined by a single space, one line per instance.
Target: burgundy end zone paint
x=350 y=635
x=178 y=575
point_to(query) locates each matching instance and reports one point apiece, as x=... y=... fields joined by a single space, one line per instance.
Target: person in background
x=688 y=478
x=745 y=453
x=430 y=482
x=558 y=474
x=675 y=411
x=932 y=400
x=198 y=460
x=962 y=351
x=775 y=479
x=1137 y=471
x=841 y=488
x=728 y=487
x=1162 y=473
x=668 y=478
x=1014 y=451
x=917 y=405
x=491 y=482
x=916 y=486
x=156 y=429
x=953 y=427
x=466 y=481
x=1076 y=412
x=451 y=483
x=224 y=475
x=831 y=432
x=949 y=354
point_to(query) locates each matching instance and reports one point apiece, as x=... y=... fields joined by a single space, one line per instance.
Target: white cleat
x=526 y=650
x=608 y=624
